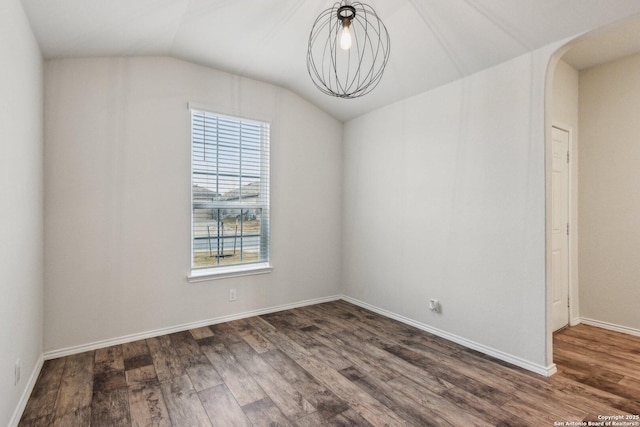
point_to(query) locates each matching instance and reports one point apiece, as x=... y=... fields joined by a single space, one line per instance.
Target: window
x=229 y=193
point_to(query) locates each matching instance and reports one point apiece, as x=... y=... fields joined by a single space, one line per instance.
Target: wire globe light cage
x=347 y=65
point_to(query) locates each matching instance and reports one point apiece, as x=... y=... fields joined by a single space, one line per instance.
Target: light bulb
x=345 y=37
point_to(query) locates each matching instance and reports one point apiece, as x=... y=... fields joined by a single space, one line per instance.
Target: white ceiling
x=433 y=42
x=605 y=45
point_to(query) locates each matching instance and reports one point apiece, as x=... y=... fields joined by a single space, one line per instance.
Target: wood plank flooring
x=332 y=364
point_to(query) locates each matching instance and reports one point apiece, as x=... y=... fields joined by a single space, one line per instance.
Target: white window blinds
x=230 y=190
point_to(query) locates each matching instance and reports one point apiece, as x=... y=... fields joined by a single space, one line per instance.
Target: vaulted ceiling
x=433 y=42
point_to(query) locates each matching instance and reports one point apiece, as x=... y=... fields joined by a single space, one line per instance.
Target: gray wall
x=444 y=197
x=21 y=193
x=117 y=205
x=609 y=209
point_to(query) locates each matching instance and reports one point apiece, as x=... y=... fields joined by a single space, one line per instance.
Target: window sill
x=226 y=272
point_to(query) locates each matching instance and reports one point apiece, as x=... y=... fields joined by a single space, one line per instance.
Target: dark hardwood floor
x=332 y=364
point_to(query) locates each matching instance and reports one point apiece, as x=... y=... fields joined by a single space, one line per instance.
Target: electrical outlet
x=18 y=367
x=233 y=295
x=434 y=305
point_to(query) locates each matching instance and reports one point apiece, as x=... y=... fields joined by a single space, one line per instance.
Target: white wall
x=444 y=197
x=609 y=207
x=21 y=193
x=565 y=114
x=117 y=203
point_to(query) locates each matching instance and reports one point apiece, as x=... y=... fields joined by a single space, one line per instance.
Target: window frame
x=262 y=266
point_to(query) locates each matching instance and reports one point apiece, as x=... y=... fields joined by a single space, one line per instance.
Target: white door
x=560 y=229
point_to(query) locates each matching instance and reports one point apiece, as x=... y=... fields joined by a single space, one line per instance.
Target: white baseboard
x=24 y=398
x=547 y=371
x=539 y=369
x=54 y=354
x=610 y=326
x=575 y=321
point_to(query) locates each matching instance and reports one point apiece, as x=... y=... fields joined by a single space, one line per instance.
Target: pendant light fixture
x=348 y=50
